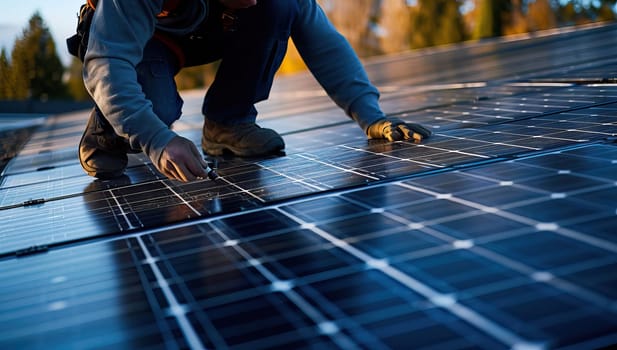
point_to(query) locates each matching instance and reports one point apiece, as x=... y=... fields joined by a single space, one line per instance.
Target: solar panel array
x=497 y=232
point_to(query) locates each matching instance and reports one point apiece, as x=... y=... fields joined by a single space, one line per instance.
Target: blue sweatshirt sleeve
x=335 y=65
x=118 y=35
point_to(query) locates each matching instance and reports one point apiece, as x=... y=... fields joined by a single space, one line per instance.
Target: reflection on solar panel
x=498 y=232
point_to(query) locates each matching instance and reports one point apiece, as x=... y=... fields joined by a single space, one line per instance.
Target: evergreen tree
x=491 y=17
x=436 y=22
x=606 y=12
x=36 y=67
x=75 y=83
x=6 y=83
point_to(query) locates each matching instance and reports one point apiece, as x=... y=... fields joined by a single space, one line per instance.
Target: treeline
x=385 y=26
x=34 y=71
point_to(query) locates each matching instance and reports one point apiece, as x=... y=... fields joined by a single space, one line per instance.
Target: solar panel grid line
x=14 y=230
x=422 y=226
x=112 y=202
x=293 y=179
x=520 y=136
x=316 y=160
x=177 y=195
x=123 y=214
x=343 y=320
x=599 y=243
x=190 y=330
x=276 y=285
x=547 y=298
x=152 y=299
x=466 y=106
x=59 y=280
x=518 y=185
x=586 y=133
x=513 y=265
x=176 y=225
x=242 y=189
x=602 y=302
x=497 y=331
x=284 y=287
x=546 y=277
x=384 y=154
x=176 y=309
x=487 y=143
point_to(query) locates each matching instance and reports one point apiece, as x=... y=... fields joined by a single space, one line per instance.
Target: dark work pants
x=250 y=55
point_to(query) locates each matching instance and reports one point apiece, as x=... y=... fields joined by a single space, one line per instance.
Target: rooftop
x=497 y=232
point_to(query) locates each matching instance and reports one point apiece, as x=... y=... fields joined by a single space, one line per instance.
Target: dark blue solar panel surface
x=497 y=232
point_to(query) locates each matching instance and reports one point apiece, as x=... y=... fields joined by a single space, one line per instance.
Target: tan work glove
x=394 y=129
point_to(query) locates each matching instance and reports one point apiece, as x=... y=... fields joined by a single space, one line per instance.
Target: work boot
x=102 y=153
x=244 y=140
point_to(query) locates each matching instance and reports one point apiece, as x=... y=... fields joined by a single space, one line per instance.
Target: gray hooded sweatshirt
x=120 y=30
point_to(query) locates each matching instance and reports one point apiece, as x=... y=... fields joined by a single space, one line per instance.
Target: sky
x=59 y=15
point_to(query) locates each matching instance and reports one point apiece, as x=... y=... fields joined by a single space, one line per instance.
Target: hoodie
x=121 y=29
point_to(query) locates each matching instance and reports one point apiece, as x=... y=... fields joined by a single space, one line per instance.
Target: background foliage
x=34 y=71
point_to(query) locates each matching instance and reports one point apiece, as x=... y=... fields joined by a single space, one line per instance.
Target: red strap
x=168 y=7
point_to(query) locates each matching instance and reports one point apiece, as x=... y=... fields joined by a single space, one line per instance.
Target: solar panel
x=497 y=232
x=357 y=268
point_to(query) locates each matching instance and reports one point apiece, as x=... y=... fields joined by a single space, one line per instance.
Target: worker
x=135 y=48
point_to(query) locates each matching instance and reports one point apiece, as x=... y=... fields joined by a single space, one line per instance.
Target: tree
x=75 y=82
x=540 y=16
x=490 y=18
x=6 y=83
x=584 y=11
x=354 y=19
x=393 y=27
x=436 y=22
x=515 y=21
x=605 y=11
x=36 y=67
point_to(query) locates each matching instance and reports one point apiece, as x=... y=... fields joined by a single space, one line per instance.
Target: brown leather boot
x=102 y=153
x=244 y=140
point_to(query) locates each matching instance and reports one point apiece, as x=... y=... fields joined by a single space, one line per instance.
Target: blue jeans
x=250 y=56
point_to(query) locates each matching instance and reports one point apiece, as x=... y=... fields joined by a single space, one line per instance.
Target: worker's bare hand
x=182 y=161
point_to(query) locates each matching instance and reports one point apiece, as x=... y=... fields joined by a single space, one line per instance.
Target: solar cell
x=497 y=232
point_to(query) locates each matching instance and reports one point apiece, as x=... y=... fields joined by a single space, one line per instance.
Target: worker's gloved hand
x=394 y=129
x=182 y=161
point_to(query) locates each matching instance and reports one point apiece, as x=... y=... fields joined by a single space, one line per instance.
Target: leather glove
x=394 y=129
